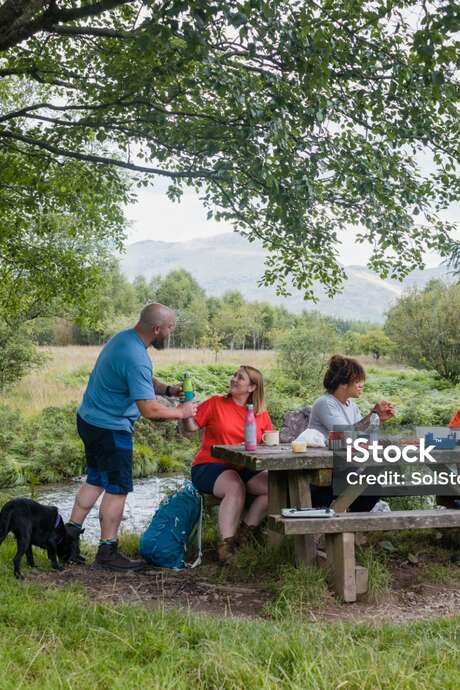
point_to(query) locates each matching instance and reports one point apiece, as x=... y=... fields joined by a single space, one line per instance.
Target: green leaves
x=295 y=121
x=424 y=324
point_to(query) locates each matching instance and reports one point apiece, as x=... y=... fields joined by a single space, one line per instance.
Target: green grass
x=443 y=574
x=299 y=590
x=61 y=638
x=378 y=572
x=58 y=639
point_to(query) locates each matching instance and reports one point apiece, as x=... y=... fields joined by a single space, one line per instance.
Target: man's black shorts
x=109 y=457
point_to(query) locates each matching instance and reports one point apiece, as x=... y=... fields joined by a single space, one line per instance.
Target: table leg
x=344 y=501
x=300 y=497
x=277 y=499
x=340 y=549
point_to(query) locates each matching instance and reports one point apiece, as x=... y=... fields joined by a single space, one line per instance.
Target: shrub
x=18 y=355
x=304 y=350
x=425 y=326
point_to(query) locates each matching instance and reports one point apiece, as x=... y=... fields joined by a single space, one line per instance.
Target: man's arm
x=167 y=390
x=152 y=409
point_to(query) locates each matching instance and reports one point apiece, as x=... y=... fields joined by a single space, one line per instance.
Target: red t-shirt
x=223 y=423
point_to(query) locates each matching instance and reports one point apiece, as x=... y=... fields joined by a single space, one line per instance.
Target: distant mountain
x=228 y=262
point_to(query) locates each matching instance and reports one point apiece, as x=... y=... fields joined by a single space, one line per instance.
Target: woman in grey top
x=343 y=381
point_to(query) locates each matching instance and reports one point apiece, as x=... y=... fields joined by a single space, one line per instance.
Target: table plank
x=274 y=457
x=368 y=522
x=282 y=458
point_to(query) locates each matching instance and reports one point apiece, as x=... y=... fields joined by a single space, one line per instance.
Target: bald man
x=119 y=391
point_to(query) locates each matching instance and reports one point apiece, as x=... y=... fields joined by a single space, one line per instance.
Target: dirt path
x=193 y=590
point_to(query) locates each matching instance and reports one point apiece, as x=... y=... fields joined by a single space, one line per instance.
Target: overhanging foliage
x=293 y=119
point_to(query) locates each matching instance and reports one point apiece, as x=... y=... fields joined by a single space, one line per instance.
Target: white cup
x=271 y=438
x=298 y=446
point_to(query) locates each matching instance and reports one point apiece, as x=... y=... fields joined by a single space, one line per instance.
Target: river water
x=139 y=508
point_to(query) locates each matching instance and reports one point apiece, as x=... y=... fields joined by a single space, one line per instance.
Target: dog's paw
x=58 y=566
x=19 y=576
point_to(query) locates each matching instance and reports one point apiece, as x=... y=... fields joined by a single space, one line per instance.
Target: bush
x=304 y=350
x=425 y=326
x=18 y=355
x=420 y=397
x=47 y=448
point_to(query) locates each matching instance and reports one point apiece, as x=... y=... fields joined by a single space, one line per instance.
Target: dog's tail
x=5 y=518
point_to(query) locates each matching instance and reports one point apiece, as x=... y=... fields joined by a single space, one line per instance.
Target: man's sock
x=74 y=524
x=107 y=541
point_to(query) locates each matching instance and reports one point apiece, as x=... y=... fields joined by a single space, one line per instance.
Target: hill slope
x=228 y=262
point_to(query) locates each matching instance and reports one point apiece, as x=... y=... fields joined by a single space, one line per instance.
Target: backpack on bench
x=164 y=542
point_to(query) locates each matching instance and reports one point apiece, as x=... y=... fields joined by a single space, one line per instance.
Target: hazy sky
x=155 y=217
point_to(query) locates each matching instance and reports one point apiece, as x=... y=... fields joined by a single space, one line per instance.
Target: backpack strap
x=198 y=559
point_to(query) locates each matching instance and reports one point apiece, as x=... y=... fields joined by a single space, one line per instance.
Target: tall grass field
x=63 y=377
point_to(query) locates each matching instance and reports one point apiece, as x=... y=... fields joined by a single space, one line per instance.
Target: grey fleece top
x=328 y=412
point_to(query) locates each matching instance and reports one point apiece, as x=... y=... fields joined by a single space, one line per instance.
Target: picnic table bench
x=289 y=478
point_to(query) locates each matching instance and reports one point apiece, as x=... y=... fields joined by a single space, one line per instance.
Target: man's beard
x=158 y=342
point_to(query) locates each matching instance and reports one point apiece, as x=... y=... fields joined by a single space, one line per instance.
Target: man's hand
x=176 y=390
x=188 y=409
x=385 y=410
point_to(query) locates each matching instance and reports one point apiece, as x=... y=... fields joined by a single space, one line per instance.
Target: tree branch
x=104 y=160
x=19 y=19
x=88 y=31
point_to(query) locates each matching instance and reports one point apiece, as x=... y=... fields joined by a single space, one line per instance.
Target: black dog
x=34 y=524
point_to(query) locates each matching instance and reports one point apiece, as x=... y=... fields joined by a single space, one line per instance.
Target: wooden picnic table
x=289 y=478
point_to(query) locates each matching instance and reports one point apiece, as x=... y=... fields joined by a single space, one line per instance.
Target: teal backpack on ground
x=164 y=542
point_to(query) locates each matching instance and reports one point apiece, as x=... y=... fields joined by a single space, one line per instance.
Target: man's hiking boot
x=74 y=533
x=109 y=558
x=226 y=550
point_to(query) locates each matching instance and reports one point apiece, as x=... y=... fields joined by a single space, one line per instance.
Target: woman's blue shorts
x=204 y=475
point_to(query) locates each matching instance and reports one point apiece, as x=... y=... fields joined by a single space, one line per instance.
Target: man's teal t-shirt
x=122 y=374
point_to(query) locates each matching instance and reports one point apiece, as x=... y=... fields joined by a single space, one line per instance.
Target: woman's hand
x=385 y=410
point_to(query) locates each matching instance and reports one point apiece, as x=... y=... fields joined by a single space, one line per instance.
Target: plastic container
x=374 y=427
x=442 y=442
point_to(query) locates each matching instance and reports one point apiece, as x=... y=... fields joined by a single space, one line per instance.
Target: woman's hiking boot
x=247 y=535
x=74 y=533
x=109 y=558
x=226 y=550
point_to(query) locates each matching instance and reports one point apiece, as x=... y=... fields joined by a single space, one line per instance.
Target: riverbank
x=139 y=507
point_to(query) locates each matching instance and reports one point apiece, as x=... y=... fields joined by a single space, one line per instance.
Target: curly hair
x=342 y=370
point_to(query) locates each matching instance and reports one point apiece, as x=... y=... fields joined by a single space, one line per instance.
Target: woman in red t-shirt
x=222 y=420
